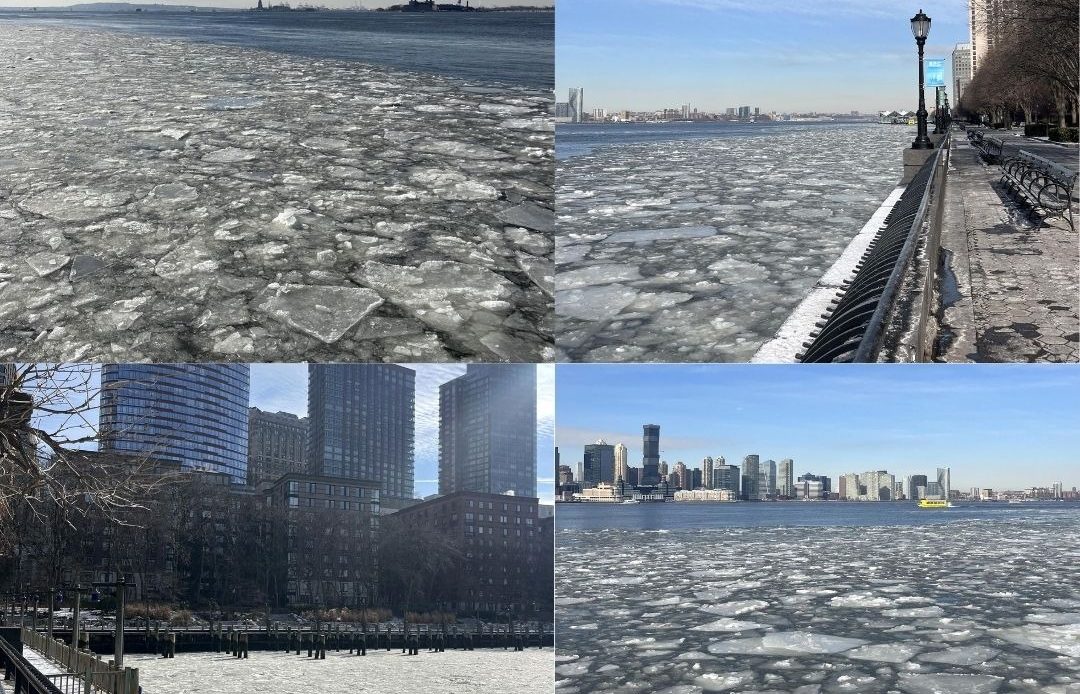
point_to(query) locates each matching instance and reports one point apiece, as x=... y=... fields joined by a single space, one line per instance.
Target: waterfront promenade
x=1016 y=296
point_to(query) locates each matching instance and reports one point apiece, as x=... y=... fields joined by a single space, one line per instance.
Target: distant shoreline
x=123 y=7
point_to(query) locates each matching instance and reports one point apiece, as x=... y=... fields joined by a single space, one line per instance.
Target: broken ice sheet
x=197 y=189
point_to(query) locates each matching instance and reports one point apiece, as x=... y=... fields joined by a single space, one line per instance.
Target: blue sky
x=283 y=388
x=995 y=425
x=783 y=55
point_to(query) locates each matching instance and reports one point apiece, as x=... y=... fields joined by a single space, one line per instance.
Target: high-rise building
x=768 y=469
x=914 y=483
x=944 y=482
x=599 y=463
x=192 y=414
x=681 y=479
x=650 y=454
x=989 y=22
x=487 y=430
x=786 y=480
x=961 y=70
x=361 y=425
x=726 y=477
x=577 y=104
x=850 y=487
x=622 y=466
x=277 y=444
x=1057 y=490
x=751 y=478
x=706 y=472
x=878 y=484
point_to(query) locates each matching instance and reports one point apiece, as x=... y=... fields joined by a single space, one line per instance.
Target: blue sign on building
x=935 y=72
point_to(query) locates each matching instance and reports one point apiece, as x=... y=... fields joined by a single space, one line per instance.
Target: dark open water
x=516 y=48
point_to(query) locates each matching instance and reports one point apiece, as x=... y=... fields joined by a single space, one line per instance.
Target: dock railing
x=97 y=675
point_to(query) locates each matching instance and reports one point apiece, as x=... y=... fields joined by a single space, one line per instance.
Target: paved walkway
x=1016 y=296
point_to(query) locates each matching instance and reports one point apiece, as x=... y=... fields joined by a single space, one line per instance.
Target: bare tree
x=48 y=466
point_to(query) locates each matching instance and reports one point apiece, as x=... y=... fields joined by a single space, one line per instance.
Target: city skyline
x=831 y=422
x=283 y=388
x=781 y=56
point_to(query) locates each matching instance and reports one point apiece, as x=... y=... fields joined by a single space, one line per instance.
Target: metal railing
x=91 y=669
x=852 y=330
x=1046 y=185
x=26 y=677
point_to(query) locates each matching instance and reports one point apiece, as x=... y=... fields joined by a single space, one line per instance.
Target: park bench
x=1045 y=185
x=989 y=146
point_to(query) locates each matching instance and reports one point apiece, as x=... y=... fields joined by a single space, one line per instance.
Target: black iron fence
x=851 y=330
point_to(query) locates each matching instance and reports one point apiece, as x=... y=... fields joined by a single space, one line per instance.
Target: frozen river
x=695 y=242
x=452 y=672
x=172 y=201
x=868 y=603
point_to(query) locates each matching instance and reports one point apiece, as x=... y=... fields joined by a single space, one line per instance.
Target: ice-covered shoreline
x=699 y=249
x=165 y=200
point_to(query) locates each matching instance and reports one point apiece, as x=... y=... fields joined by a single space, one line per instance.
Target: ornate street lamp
x=920 y=28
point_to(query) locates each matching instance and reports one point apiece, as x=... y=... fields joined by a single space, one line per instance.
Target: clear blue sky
x=996 y=425
x=782 y=55
x=283 y=388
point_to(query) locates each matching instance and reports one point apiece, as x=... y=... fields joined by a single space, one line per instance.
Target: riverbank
x=172 y=201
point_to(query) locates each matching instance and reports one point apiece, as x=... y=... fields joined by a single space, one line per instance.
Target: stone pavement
x=1016 y=296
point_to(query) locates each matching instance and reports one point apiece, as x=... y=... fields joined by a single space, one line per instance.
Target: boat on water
x=933 y=503
x=631 y=501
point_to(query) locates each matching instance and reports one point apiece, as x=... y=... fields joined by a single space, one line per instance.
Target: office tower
x=786 y=479
x=914 y=482
x=361 y=425
x=663 y=469
x=622 y=466
x=579 y=473
x=878 y=484
x=988 y=24
x=556 y=462
x=944 y=482
x=566 y=476
x=195 y=415
x=695 y=478
x=1058 y=490
x=650 y=454
x=680 y=481
x=487 y=430
x=562 y=111
x=576 y=104
x=706 y=472
x=599 y=463
x=768 y=469
x=961 y=71
x=277 y=444
x=751 y=484
x=726 y=477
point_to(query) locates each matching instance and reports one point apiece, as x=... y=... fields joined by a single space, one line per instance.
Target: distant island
x=284 y=6
x=432 y=6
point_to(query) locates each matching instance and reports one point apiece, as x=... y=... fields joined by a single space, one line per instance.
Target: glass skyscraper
x=361 y=426
x=192 y=414
x=487 y=430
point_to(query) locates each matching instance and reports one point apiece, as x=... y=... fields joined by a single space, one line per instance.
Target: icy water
x=514 y=48
x=169 y=201
x=452 y=672
x=694 y=242
x=761 y=597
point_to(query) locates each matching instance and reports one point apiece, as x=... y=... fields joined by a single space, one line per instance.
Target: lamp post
x=920 y=28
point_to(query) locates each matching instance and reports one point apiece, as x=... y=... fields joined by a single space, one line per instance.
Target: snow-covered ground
x=956 y=608
x=452 y=672
x=699 y=249
x=172 y=201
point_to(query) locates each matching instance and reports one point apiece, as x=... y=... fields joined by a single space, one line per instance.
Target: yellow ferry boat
x=933 y=503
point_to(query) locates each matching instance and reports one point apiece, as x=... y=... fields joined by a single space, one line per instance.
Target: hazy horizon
x=778 y=55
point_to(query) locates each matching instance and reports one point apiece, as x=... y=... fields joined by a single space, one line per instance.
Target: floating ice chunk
x=594 y=303
x=1060 y=618
x=324 y=143
x=233 y=103
x=46 y=263
x=76 y=204
x=540 y=271
x=528 y=215
x=453 y=185
x=572 y=669
x=1063 y=639
x=597 y=274
x=796 y=642
x=694 y=655
x=727 y=624
x=715 y=682
x=960 y=655
x=504 y=109
x=235 y=343
x=914 y=612
x=860 y=600
x=735 y=607
x=230 y=155
x=186 y=259
x=325 y=313
x=919 y=683
x=746 y=646
x=174 y=133
x=884 y=652
x=649 y=235
x=460 y=150
x=174 y=192
x=573 y=601
x=287 y=218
